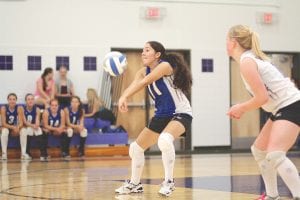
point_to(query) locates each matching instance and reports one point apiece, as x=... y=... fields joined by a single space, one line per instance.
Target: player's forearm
x=134 y=88
x=254 y=103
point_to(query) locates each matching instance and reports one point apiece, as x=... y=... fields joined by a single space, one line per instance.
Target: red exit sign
x=268 y=18
x=153 y=12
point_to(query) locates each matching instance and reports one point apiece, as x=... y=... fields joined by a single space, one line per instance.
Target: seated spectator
x=53 y=123
x=45 y=88
x=31 y=120
x=74 y=120
x=64 y=88
x=12 y=125
x=96 y=108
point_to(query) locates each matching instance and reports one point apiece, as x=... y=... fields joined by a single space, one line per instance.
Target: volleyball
x=115 y=63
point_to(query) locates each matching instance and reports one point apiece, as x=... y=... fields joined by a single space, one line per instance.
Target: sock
x=137 y=162
x=29 y=138
x=81 y=145
x=165 y=144
x=4 y=140
x=268 y=172
x=23 y=140
x=286 y=169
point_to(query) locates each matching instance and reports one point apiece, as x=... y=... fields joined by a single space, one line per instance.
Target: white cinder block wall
x=78 y=28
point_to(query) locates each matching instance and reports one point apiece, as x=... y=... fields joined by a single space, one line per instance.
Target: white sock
x=4 y=140
x=289 y=173
x=137 y=162
x=23 y=140
x=165 y=144
x=268 y=172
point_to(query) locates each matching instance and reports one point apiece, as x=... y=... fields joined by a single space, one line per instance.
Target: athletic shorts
x=158 y=124
x=290 y=113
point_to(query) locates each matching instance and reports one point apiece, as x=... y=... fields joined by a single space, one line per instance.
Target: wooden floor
x=207 y=177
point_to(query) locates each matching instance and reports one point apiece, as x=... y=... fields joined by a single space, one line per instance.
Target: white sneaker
x=26 y=157
x=4 y=156
x=43 y=159
x=166 y=188
x=266 y=197
x=129 y=187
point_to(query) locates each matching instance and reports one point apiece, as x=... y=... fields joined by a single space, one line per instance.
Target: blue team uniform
x=54 y=121
x=11 y=116
x=168 y=100
x=74 y=116
x=30 y=116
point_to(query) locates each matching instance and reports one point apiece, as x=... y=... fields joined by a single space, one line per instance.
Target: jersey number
x=74 y=120
x=29 y=118
x=54 y=123
x=11 y=119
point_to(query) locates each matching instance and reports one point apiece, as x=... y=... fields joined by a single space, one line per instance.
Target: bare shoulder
x=248 y=63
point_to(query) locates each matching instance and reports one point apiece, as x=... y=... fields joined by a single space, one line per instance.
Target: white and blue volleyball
x=115 y=63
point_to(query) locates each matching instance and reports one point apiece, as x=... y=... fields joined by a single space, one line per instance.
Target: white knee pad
x=5 y=132
x=276 y=158
x=29 y=131
x=258 y=154
x=38 y=132
x=23 y=132
x=83 y=133
x=165 y=142
x=135 y=151
x=70 y=132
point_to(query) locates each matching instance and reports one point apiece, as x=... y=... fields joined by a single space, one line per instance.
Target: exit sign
x=153 y=12
x=268 y=18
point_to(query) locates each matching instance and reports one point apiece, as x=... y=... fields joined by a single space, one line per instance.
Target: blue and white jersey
x=74 y=116
x=54 y=121
x=30 y=116
x=168 y=100
x=11 y=116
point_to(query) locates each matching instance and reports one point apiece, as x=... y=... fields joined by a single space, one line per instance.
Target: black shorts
x=158 y=124
x=290 y=113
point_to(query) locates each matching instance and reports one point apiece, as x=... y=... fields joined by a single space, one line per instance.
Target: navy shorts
x=158 y=124
x=290 y=113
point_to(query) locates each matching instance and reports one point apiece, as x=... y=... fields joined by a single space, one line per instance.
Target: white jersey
x=282 y=91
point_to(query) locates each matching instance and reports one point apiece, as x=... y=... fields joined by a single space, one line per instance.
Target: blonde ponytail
x=256 y=47
x=247 y=39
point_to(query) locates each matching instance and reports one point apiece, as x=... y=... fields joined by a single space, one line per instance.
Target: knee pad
x=258 y=154
x=70 y=132
x=275 y=158
x=23 y=132
x=5 y=132
x=83 y=133
x=38 y=132
x=135 y=151
x=29 y=131
x=165 y=142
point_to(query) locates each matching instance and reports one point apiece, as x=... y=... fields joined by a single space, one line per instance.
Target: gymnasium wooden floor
x=207 y=177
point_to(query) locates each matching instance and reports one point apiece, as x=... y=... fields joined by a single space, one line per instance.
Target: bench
x=95 y=136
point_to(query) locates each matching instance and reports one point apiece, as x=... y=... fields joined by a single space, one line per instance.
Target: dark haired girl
x=168 y=80
x=74 y=120
x=45 y=88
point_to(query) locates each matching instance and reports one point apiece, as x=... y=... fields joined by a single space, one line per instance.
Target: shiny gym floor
x=201 y=176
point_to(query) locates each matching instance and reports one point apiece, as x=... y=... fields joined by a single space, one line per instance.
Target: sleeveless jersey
x=168 y=100
x=54 y=121
x=11 y=116
x=74 y=116
x=30 y=116
x=282 y=91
